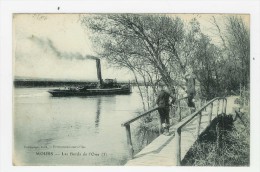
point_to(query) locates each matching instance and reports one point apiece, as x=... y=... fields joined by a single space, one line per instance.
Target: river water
x=71 y=130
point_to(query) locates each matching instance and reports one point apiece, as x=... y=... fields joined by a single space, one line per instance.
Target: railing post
x=223 y=106
x=198 y=125
x=160 y=125
x=217 y=108
x=202 y=102
x=178 y=146
x=210 y=112
x=244 y=97
x=129 y=141
x=205 y=102
x=179 y=108
x=172 y=112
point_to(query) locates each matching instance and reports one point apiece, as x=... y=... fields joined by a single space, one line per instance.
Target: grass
x=146 y=130
x=224 y=143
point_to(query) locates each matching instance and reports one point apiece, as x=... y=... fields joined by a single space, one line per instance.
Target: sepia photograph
x=131 y=89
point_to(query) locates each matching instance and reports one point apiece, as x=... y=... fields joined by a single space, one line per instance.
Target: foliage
x=160 y=49
x=221 y=147
x=235 y=54
x=145 y=132
x=150 y=46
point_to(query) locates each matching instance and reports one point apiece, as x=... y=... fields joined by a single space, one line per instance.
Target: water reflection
x=93 y=122
x=98 y=114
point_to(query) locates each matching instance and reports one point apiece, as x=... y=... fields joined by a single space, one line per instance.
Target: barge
x=106 y=87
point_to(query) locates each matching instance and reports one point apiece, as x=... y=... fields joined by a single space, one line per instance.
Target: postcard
x=129 y=85
x=134 y=89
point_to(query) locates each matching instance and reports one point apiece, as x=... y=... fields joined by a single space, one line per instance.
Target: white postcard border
x=123 y=6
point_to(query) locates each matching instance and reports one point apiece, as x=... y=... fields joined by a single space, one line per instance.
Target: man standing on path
x=164 y=108
x=191 y=92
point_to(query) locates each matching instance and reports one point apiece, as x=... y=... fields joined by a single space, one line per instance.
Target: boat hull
x=89 y=92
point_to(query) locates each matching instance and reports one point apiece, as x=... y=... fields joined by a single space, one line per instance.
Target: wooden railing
x=128 y=130
x=179 y=107
x=128 y=122
x=198 y=113
x=239 y=115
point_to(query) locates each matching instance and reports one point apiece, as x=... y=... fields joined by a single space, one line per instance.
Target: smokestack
x=99 y=71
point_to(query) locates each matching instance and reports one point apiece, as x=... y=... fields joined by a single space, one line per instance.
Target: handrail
x=179 y=126
x=189 y=118
x=139 y=116
x=128 y=122
x=181 y=99
x=180 y=106
x=239 y=115
x=145 y=113
x=186 y=120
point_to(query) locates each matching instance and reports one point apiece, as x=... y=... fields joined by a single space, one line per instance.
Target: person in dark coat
x=191 y=92
x=162 y=101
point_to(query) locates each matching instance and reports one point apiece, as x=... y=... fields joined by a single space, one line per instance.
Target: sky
x=53 y=46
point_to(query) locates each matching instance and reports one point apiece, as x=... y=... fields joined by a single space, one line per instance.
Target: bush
x=225 y=143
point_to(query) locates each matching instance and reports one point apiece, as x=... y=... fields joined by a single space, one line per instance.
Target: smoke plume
x=47 y=45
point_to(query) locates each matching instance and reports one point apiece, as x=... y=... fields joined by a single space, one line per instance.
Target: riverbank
x=225 y=143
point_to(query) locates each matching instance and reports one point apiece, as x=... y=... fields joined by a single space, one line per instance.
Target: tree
x=140 y=42
x=235 y=50
x=238 y=39
x=159 y=48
